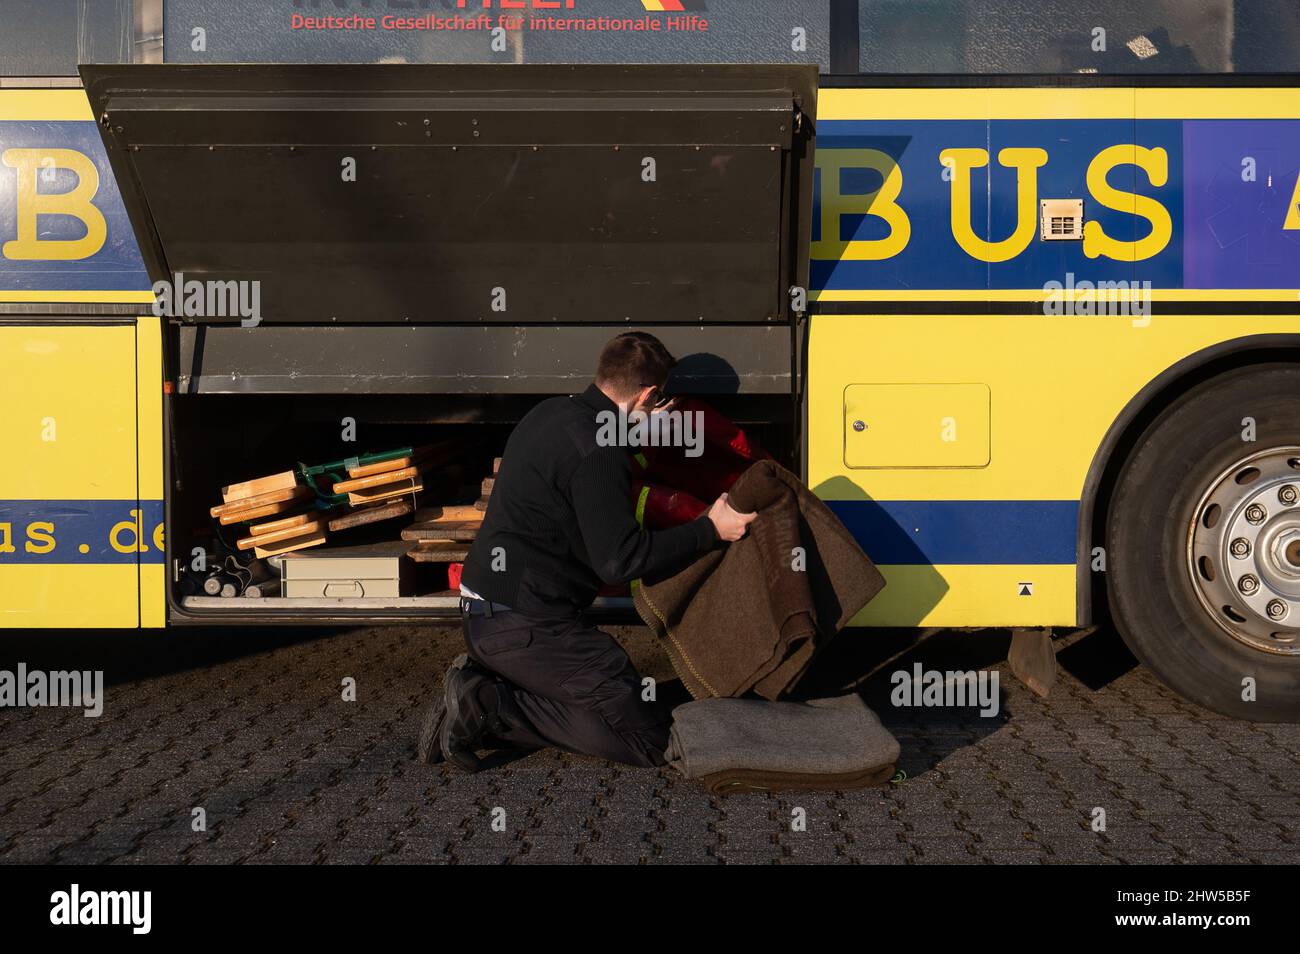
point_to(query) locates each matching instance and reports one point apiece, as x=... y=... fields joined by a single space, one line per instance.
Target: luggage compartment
x=219 y=440
x=434 y=250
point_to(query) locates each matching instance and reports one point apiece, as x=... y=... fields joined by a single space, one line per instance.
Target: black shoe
x=464 y=722
x=429 y=748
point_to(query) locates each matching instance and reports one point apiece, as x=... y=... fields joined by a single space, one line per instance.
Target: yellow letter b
x=881 y=203
x=32 y=204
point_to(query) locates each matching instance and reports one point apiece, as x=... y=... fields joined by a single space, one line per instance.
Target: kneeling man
x=559 y=524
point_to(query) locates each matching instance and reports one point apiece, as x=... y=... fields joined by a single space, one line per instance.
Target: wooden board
x=360 y=516
x=462 y=530
x=481 y=504
x=261 y=500
x=242 y=516
x=380 y=467
x=295 y=543
x=449 y=512
x=438 y=551
x=297 y=520
x=276 y=536
x=260 y=485
x=426 y=454
x=386 y=492
x=487 y=485
x=375 y=480
x=496 y=466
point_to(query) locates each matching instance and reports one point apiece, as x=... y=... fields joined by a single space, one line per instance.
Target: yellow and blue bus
x=1034 y=336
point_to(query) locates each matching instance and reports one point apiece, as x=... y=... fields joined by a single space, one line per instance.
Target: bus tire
x=1203 y=545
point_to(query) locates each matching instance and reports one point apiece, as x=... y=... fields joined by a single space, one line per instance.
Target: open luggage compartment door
x=481 y=194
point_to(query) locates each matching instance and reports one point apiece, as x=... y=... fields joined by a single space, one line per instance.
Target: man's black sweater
x=560 y=519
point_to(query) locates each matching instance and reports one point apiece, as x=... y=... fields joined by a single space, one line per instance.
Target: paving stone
x=288 y=773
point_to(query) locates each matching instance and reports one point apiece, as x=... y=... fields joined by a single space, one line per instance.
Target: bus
x=1016 y=291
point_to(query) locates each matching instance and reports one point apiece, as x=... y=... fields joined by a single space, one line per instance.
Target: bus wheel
x=1203 y=541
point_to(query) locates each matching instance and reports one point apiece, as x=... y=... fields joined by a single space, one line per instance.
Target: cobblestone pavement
x=251 y=727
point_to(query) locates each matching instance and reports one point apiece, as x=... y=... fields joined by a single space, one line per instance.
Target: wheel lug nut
x=1276 y=609
x=1288 y=495
x=1248 y=584
x=1255 y=513
x=1240 y=547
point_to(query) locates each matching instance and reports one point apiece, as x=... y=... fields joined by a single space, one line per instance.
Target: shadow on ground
x=127 y=656
x=866 y=661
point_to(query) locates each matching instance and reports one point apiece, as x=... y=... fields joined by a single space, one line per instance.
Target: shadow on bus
x=914 y=586
x=126 y=656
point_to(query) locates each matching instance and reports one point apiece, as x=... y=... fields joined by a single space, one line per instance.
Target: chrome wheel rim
x=1243 y=550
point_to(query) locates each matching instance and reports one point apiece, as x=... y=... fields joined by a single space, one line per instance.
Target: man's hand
x=729 y=524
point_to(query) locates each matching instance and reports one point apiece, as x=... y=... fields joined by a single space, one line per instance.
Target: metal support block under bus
x=1032 y=658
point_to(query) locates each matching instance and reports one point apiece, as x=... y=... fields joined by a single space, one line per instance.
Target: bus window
x=482 y=31
x=1078 y=36
x=50 y=37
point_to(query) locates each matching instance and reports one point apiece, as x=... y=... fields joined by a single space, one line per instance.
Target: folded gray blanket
x=734 y=744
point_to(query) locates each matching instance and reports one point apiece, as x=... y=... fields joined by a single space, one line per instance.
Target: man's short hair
x=632 y=361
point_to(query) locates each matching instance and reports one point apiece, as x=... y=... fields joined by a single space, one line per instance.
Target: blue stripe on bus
x=971 y=532
x=79 y=531
x=69 y=279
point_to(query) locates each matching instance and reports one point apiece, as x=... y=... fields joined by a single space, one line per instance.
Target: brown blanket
x=751 y=616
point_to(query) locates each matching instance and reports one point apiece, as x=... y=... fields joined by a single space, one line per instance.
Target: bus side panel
x=958 y=545
x=73 y=535
x=970 y=504
x=149 y=434
x=71 y=527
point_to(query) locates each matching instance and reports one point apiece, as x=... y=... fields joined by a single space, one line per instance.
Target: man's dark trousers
x=568 y=685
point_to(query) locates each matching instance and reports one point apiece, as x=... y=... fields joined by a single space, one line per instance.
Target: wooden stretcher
x=293 y=543
x=402 y=488
x=296 y=520
x=258 y=486
x=272 y=538
x=241 y=509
